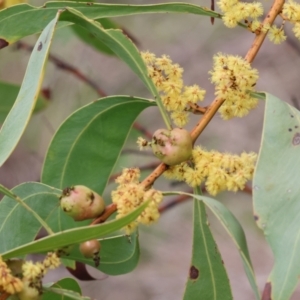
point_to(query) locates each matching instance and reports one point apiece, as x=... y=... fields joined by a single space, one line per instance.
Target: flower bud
x=81 y=203
x=172 y=146
x=91 y=249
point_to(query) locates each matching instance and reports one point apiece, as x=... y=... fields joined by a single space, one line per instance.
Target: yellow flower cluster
x=130 y=194
x=33 y=274
x=276 y=34
x=291 y=12
x=167 y=78
x=9 y=283
x=220 y=171
x=233 y=77
x=236 y=11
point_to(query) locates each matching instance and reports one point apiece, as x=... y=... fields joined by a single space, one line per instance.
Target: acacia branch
x=216 y=104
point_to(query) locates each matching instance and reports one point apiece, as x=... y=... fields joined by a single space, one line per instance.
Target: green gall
x=91 y=249
x=172 y=147
x=81 y=203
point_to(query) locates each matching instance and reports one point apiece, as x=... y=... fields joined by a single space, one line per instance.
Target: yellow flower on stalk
x=276 y=34
x=33 y=270
x=219 y=171
x=8 y=282
x=167 y=77
x=255 y=10
x=233 y=78
x=296 y=30
x=129 y=195
x=51 y=261
x=236 y=11
x=291 y=10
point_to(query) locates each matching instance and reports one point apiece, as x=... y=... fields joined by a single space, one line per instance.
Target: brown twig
x=196 y=109
x=212 y=7
x=259 y=39
x=109 y=210
x=143 y=130
x=66 y=67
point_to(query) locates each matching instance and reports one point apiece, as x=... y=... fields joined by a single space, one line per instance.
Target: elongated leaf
x=90 y=39
x=74 y=236
x=14 y=19
x=17 y=225
x=207 y=275
x=17 y=119
x=64 y=289
x=236 y=232
x=87 y=145
x=122 y=46
x=8 y=95
x=276 y=192
x=119 y=255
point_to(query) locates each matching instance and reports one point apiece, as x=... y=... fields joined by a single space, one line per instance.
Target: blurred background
x=190 y=41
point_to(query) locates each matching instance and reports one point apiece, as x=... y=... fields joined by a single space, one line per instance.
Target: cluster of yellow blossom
x=233 y=78
x=276 y=34
x=24 y=278
x=167 y=78
x=220 y=171
x=236 y=11
x=130 y=194
x=33 y=274
x=8 y=282
x=291 y=12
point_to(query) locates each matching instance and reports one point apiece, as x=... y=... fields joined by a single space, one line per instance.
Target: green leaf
x=14 y=19
x=74 y=236
x=122 y=46
x=236 y=233
x=68 y=263
x=18 y=226
x=258 y=95
x=207 y=276
x=90 y=39
x=64 y=289
x=18 y=117
x=86 y=147
x=9 y=93
x=276 y=192
x=119 y=254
